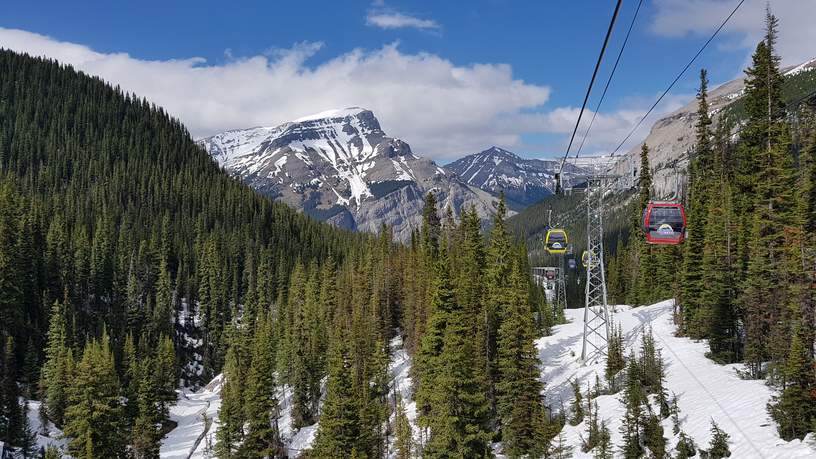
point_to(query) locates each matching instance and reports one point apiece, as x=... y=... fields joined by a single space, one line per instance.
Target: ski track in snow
x=705 y=389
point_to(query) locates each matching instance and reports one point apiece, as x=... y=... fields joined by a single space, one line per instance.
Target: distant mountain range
x=339 y=166
x=524 y=181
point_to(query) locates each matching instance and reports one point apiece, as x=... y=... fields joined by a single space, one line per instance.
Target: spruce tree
x=633 y=398
x=261 y=404
x=794 y=410
x=55 y=370
x=94 y=415
x=457 y=407
x=696 y=212
x=519 y=388
x=338 y=428
x=642 y=291
x=12 y=419
x=404 y=443
x=718 y=447
x=231 y=414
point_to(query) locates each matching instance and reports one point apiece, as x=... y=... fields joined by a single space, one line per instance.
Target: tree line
x=744 y=277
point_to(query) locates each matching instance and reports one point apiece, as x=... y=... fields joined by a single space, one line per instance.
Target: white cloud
x=396 y=20
x=678 y=18
x=443 y=110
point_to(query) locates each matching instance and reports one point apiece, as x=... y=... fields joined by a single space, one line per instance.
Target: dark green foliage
x=653 y=438
x=794 y=409
x=633 y=398
x=94 y=413
x=577 y=403
x=404 y=443
x=261 y=404
x=685 y=447
x=614 y=359
x=718 y=447
x=519 y=388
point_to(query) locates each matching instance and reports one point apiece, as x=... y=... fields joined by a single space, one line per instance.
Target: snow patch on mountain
x=340 y=166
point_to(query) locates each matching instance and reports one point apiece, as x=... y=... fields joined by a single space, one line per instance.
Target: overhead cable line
x=609 y=80
x=591 y=82
x=679 y=75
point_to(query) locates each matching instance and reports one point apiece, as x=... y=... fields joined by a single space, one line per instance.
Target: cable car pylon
x=596 y=310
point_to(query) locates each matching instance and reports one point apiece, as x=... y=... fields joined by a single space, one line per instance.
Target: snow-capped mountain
x=340 y=166
x=524 y=181
x=672 y=136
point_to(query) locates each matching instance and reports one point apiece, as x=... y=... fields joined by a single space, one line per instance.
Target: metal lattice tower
x=596 y=311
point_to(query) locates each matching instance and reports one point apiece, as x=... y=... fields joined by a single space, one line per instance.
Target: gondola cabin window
x=664 y=223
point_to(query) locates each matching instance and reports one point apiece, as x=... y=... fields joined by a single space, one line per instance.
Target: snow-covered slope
x=340 y=166
x=705 y=390
x=524 y=181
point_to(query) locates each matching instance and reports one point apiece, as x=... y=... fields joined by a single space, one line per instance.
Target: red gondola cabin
x=664 y=223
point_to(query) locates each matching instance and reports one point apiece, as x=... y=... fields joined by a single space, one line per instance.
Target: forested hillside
x=113 y=224
x=131 y=264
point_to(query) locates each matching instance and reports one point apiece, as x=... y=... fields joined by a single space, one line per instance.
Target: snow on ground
x=196 y=415
x=400 y=370
x=705 y=390
x=47 y=436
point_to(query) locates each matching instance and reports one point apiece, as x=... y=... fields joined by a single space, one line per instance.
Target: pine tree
x=457 y=407
x=794 y=409
x=146 y=436
x=404 y=443
x=699 y=173
x=261 y=404
x=55 y=370
x=641 y=291
x=94 y=413
x=614 y=359
x=577 y=403
x=519 y=388
x=685 y=447
x=653 y=438
x=633 y=398
x=12 y=419
x=770 y=183
x=166 y=379
x=498 y=263
x=338 y=429
x=718 y=447
x=603 y=450
x=231 y=414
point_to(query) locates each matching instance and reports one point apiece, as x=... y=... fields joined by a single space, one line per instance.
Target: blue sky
x=449 y=77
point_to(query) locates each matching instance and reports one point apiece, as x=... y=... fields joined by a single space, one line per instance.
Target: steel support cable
x=592 y=81
x=677 y=78
x=609 y=80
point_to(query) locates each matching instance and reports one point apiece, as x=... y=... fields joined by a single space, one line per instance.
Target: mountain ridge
x=340 y=166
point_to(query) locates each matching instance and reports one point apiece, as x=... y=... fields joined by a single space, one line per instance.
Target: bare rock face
x=672 y=138
x=339 y=166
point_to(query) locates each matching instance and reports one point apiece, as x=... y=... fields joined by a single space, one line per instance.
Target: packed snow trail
x=705 y=390
x=196 y=415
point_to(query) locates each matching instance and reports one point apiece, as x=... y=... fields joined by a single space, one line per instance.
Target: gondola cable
x=591 y=83
x=677 y=78
x=609 y=80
